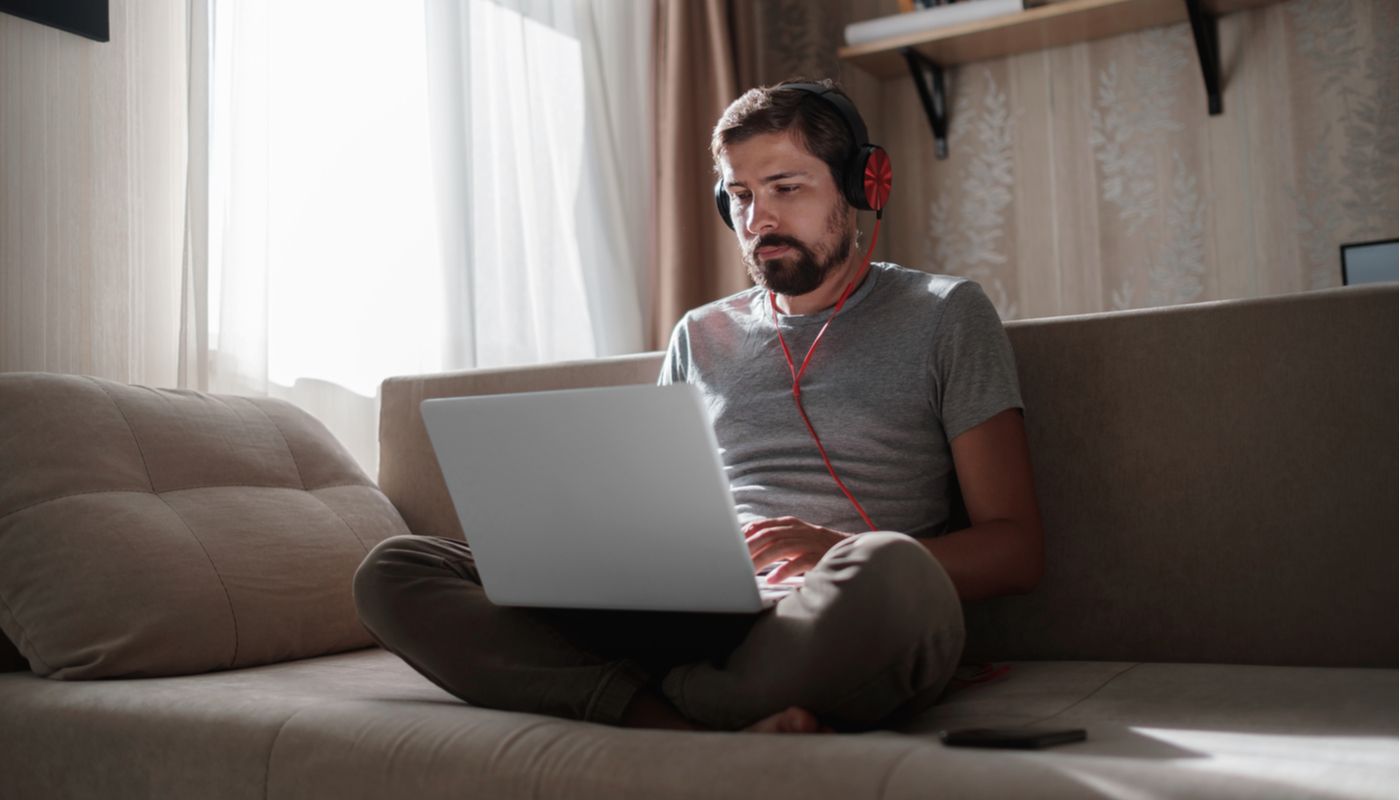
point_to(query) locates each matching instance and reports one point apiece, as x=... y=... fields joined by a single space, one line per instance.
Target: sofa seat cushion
x=363 y=724
x=1180 y=730
x=150 y=532
x=206 y=736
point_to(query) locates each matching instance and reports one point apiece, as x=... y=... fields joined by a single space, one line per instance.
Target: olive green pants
x=872 y=637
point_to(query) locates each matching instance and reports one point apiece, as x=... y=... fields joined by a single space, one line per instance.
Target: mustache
x=775 y=240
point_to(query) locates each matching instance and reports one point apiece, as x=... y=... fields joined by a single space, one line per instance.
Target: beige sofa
x=1218 y=483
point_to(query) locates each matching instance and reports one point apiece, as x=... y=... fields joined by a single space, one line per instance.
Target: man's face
x=794 y=227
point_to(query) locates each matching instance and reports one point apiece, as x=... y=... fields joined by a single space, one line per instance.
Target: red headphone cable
x=798 y=372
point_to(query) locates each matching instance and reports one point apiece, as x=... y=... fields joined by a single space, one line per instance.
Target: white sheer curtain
x=397 y=188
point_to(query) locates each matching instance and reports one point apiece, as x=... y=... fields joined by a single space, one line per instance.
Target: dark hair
x=818 y=127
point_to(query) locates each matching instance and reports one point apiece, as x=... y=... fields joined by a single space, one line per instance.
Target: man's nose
x=760 y=217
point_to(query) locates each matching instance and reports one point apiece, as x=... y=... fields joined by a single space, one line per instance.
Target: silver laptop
x=608 y=498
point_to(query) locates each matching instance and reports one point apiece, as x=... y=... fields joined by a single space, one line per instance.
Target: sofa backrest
x=1217 y=481
x=408 y=469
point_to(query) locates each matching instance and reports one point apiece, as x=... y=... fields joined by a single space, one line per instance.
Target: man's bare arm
x=1002 y=552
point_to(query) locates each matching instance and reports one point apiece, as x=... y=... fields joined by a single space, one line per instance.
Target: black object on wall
x=83 y=17
x=1370 y=262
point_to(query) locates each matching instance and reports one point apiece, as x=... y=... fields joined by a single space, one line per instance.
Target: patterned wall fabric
x=1091 y=178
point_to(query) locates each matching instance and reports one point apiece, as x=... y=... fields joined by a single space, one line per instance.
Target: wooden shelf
x=1054 y=25
x=925 y=54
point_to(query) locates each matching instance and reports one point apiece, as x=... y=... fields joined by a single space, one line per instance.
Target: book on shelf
x=933 y=17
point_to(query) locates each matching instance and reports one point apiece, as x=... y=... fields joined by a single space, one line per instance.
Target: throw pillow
x=154 y=532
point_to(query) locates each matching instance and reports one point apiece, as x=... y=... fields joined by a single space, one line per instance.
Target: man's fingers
x=764 y=525
x=771 y=540
x=796 y=566
x=772 y=536
x=759 y=525
x=775 y=551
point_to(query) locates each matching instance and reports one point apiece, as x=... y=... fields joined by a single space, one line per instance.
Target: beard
x=802 y=270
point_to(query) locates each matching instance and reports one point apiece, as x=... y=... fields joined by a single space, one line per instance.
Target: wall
x=92 y=142
x=1090 y=177
x=1084 y=178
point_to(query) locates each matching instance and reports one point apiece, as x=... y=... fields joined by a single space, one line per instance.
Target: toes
x=800 y=720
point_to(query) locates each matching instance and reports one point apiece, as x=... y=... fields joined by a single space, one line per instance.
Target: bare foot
x=649 y=710
x=790 y=720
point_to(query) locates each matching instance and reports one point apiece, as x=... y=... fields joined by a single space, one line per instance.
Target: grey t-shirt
x=912 y=361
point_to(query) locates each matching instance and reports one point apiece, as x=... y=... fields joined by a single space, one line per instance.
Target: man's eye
x=739 y=199
x=788 y=189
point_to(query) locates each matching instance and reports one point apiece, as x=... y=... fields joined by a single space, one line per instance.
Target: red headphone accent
x=879 y=177
x=797 y=372
x=865 y=181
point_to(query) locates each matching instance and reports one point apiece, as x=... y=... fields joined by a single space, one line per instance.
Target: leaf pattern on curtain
x=1135 y=125
x=1180 y=258
x=967 y=227
x=1349 y=179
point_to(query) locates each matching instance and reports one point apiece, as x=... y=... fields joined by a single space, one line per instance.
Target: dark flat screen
x=83 y=17
x=1370 y=262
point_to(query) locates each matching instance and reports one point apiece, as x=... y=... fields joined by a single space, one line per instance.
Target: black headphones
x=866 y=178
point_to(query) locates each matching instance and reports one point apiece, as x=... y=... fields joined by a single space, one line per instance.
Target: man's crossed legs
x=872 y=637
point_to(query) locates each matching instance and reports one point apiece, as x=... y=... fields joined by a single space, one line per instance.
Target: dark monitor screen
x=1370 y=262
x=83 y=17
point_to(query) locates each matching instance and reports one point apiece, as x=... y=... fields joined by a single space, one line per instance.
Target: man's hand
x=801 y=543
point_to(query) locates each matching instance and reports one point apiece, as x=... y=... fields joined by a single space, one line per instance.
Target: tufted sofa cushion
x=154 y=532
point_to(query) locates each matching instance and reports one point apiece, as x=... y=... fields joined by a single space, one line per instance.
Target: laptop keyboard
x=764 y=587
x=771 y=593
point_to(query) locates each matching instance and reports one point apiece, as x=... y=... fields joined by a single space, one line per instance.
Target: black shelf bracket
x=1205 y=31
x=928 y=79
x=928 y=75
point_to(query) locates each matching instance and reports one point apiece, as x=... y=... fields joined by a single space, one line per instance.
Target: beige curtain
x=697 y=258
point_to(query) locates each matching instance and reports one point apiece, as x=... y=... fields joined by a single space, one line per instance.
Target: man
x=848 y=400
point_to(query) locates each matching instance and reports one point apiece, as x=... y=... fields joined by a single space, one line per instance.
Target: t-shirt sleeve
x=973 y=368
x=675 y=368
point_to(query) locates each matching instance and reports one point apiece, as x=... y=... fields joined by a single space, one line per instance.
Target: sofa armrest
x=408 y=470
